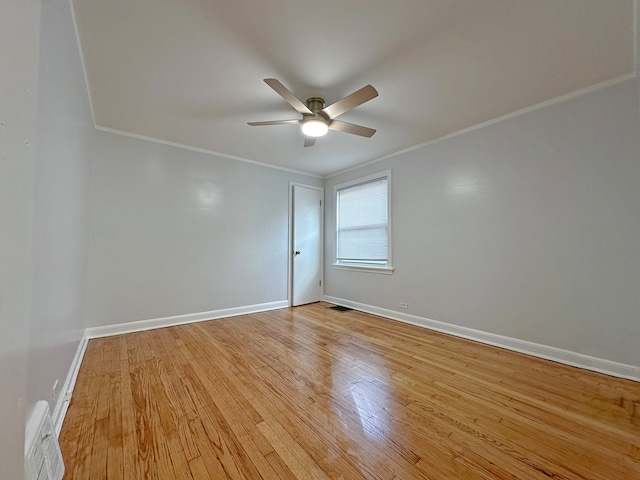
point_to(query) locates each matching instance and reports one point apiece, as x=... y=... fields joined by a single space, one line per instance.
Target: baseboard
x=61 y=406
x=142 y=325
x=559 y=355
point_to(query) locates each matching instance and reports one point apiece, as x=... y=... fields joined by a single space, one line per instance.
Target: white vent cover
x=43 y=459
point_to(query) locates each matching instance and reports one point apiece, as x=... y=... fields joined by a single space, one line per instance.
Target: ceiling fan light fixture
x=314 y=127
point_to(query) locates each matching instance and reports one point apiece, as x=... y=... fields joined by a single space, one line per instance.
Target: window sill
x=363 y=268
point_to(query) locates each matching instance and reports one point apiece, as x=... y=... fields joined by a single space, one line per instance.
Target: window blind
x=363 y=223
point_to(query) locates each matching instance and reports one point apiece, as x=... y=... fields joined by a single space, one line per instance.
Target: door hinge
x=320 y=282
x=320 y=202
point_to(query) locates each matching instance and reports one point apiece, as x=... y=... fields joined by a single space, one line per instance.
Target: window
x=362 y=224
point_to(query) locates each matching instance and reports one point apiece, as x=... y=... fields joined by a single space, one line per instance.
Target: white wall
x=61 y=221
x=527 y=228
x=178 y=232
x=19 y=36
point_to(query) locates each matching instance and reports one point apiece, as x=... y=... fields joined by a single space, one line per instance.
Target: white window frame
x=386 y=269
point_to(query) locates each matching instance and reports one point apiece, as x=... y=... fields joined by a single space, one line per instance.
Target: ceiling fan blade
x=351 y=128
x=274 y=122
x=309 y=141
x=287 y=95
x=350 y=101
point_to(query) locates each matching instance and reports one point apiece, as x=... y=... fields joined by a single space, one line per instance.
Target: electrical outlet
x=54 y=391
x=404 y=305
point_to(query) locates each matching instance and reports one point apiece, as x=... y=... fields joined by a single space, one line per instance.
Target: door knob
x=297 y=252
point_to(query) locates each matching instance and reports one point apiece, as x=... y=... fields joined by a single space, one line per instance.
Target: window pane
x=363 y=223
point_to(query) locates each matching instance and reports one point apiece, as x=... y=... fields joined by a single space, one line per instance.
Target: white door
x=306 y=245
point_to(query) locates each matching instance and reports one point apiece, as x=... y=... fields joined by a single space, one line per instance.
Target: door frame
x=290 y=242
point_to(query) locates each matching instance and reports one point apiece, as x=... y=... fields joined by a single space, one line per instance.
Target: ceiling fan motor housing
x=315 y=104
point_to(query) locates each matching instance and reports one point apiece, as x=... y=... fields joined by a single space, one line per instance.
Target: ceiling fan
x=316 y=118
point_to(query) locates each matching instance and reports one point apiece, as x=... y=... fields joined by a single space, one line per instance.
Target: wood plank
x=292 y=454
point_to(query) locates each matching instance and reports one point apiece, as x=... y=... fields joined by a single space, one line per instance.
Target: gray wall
x=177 y=232
x=19 y=37
x=61 y=220
x=46 y=133
x=637 y=30
x=527 y=228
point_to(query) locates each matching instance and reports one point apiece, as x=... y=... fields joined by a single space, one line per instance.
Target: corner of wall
x=84 y=67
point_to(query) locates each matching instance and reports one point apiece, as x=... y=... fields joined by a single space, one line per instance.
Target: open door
x=306 y=243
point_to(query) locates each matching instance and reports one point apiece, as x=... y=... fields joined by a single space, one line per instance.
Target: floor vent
x=340 y=308
x=43 y=459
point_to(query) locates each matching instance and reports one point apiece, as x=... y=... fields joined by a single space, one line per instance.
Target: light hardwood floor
x=311 y=393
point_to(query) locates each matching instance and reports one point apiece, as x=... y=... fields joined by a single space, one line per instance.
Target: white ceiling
x=190 y=71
